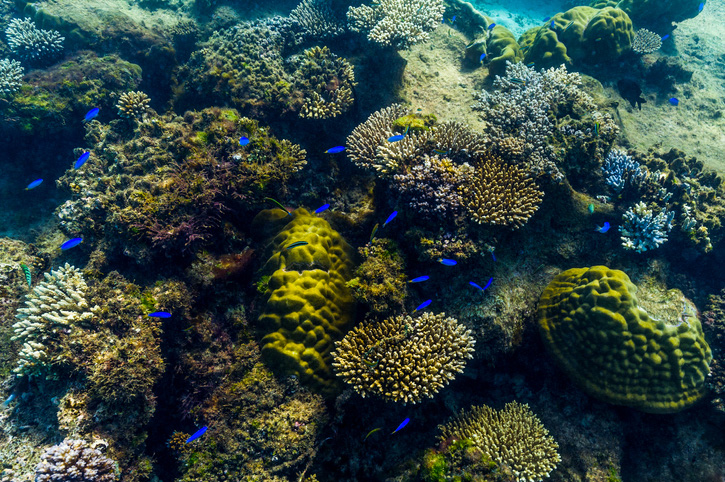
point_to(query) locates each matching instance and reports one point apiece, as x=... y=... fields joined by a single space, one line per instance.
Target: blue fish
x=159 y=314
x=91 y=114
x=34 y=184
x=546 y=19
x=243 y=141
x=490 y=27
x=324 y=207
x=447 y=262
x=423 y=305
x=553 y=24
x=475 y=285
x=493 y=256
x=397 y=138
x=700 y=7
x=402 y=425
x=335 y=150
x=419 y=279
x=71 y=243
x=452 y=20
x=390 y=218
x=198 y=434
x=665 y=37
x=82 y=160
x=603 y=229
x=483 y=56
x=674 y=100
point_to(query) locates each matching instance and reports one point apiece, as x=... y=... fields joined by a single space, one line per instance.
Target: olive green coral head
x=645 y=353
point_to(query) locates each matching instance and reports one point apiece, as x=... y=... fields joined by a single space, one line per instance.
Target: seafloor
x=386 y=240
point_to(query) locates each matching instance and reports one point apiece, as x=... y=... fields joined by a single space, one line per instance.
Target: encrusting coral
x=75 y=461
x=396 y=23
x=512 y=437
x=646 y=351
x=403 y=359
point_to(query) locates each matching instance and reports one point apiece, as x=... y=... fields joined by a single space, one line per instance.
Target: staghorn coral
x=396 y=23
x=31 y=43
x=75 y=461
x=642 y=230
x=329 y=79
x=316 y=19
x=403 y=359
x=501 y=194
x=11 y=74
x=646 y=42
x=53 y=310
x=512 y=437
x=133 y=104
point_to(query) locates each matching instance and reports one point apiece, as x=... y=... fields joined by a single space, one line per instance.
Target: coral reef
x=396 y=23
x=512 y=437
x=53 y=310
x=646 y=351
x=75 y=461
x=316 y=19
x=620 y=169
x=646 y=42
x=654 y=14
x=31 y=43
x=308 y=304
x=133 y=104
x=403 y=359
x=642 y=230
x=713 y=324
x=11 y=75
x=329 y=80
x=501 y=194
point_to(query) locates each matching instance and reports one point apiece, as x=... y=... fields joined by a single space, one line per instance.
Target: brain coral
x=309 y=305
x=404 y=359
x=645 y=353
x=513 y=436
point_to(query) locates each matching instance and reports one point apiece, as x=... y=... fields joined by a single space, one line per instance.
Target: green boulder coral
x=646 y=352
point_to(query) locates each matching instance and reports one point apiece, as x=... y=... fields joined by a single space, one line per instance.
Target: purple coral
x=75 y=461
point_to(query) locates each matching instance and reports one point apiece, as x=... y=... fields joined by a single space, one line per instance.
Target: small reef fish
x=493 y=256
x=490 y=27
x=483 y=56
x=279 y=204
x=159 y=314
x=475 y=285
x=447 y=262
x=419 y=279
x=71 y=243
x=596 y=129
x=590 y=208
x=243 y=141
x=531 y=64
x=375 y=230
x=546 y=19
x=399 y=137
x=451 y=20
x=603 y=229
x=553 y=24
x=568 y=25
x=34 y=184
x=296 y=244
x=10 y=399
x=335 y=150
x=630 y=90
x=324 y=207
x=82 y=160
x=91 y=114
x=196 y=435
x=371 y=432
x=665 y=37
x=700 y=7
x=401 y=426
x=28 y=275
x=438 y=151
x=517 y=81
x=390 y=218
x=423 y=305
x=674 y=100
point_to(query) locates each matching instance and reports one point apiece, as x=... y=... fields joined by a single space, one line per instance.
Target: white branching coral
x=396 y=23
x=316 y=19
x=51 y=311
x=11 y=73
x=31 y=43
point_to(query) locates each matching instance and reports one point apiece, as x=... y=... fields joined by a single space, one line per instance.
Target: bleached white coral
x=11 y=73
x=51 y=310
x=31 y=43
x=397 y=23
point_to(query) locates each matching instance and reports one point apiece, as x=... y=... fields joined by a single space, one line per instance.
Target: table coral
x=396 y=23
x=653 y=358
x=403 y=359
x=308 y=303
x=512 y=437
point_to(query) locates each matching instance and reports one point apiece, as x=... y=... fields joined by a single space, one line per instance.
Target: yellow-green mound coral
x=402 y=358
x=647 y=353
x=309 y=305
x=514 y=437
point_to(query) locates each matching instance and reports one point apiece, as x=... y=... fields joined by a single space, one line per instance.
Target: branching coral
x=53 y=310
x=31 y=43
x=329 y=79
x=11 y=74
x=514 y=437
x=642 y=230
x=619 y=169
x=403 y=359
x=396 y=23
x=502 y=194
x=133 y=104
x=646 y=42
x=316 y=19
x=75 y=461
